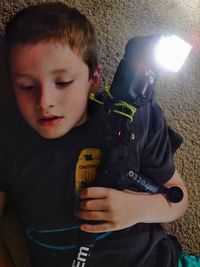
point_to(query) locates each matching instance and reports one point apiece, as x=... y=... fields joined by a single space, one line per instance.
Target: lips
x=49 y=120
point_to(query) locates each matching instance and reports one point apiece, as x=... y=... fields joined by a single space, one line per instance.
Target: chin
x=51 y=134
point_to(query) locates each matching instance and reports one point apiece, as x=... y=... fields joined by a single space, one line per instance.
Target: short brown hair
x=53 y=21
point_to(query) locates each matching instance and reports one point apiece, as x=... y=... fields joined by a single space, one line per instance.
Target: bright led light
x=171 y=52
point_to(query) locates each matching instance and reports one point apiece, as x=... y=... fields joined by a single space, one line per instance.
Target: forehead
x=56 y=55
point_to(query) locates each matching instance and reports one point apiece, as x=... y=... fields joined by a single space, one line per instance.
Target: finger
x=96 y=228
x=91 y=215
x=94 y=192
x=93 y=205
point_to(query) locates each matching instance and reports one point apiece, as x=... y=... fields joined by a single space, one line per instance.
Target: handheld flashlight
x=132 y=87
x=133 y=83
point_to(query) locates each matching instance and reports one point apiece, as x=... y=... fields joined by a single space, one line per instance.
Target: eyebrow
x=69 y=71
x=19 y=75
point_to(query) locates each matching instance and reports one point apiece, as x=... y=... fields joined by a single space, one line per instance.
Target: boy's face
x=51 y=84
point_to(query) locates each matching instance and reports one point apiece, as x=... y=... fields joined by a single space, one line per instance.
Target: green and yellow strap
x=118 y=106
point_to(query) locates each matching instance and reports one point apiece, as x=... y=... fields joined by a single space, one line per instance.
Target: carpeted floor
x=116 y=21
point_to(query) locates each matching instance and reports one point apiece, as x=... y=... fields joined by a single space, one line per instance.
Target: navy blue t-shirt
x=39 y=176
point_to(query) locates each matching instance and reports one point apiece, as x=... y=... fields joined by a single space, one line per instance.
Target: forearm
x=157 y=209
x=5 y=257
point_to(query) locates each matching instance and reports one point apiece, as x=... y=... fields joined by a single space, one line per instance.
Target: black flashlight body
x=133 y=83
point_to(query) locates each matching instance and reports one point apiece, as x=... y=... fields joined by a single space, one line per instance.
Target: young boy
x=51 y=55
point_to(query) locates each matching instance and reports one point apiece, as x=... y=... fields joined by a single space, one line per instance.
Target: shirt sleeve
x=161 y=142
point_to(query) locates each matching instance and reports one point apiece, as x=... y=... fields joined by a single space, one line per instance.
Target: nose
x=46 y=98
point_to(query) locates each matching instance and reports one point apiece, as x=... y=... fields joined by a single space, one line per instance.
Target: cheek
x=76 y=96
x=25 y=103
x=20 y=98
x=79 y=102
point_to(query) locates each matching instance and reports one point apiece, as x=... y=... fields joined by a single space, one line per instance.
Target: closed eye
x=28 y=87
x=64 y=84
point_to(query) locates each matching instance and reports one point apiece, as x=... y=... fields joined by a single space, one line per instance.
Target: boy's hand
x=112 y=208
x=116 y=210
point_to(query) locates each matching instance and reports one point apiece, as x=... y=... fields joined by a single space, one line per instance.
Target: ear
x=95 y=79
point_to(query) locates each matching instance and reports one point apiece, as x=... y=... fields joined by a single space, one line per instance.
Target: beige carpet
x=117 y=21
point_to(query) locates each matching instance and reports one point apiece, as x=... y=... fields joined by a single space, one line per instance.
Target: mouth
x=49 y=120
